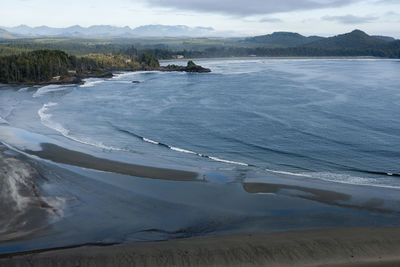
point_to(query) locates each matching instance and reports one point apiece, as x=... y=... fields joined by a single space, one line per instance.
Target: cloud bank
x=249 y=7
x=350 y=19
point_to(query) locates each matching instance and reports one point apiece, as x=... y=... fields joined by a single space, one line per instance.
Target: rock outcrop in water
x=190 y=67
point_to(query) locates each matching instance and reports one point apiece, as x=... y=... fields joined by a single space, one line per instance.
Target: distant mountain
x=354 y=40
x=5 y=34
x=283 y=39
x=19 y=30
x=112 y=31
x=384 y=38
x=173 y=31
x=73 y=31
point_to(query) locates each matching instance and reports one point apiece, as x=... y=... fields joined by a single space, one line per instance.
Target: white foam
x=150 y=141
x=288 y=173
x=3 y=121
x=350 y=179
x=229 y=161
x=341 y=178
x=24 y=89
x=118 y=76
x=183 y=150
x=177 y=149
x=91 y=83
x=50 y=88
x=46 y=119
x=49 y=123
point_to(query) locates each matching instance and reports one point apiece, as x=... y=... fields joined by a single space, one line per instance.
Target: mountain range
x=282 y=39
x=112 y=31
x=355 y=40
x=5 y=34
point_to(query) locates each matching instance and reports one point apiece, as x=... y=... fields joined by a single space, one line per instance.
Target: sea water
x=332 y=119
x=278 y=144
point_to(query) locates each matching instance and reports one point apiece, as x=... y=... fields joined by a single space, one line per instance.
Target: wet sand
x=325 y=247
x=22 y=210
x=62 y=155
x=320 y=195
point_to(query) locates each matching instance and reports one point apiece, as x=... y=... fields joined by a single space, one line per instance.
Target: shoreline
x=277 y=57
x=62 y=155
x=110 y=73
x=317 y=247
x=79 y=79
x=70 y=80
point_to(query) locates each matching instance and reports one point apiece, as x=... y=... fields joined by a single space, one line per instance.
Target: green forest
x=33 y=60
x=55 y=65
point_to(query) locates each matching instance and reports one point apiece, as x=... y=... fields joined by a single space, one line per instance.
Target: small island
x=191 y=67
x=57 y=67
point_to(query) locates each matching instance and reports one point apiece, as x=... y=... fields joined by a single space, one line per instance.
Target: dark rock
x=197 y=68
x=191 y=67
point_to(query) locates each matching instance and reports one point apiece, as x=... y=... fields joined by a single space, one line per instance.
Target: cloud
x=270 y=20
x=396 y=2
x=249 y=7
x=350 y=19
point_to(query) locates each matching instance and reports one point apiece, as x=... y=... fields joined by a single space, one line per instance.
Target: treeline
x=37 y=66
x=276 y=52
x=73 y=47
x=128 y=49
x=295 y=52
x=47 y=65
x=392 y=51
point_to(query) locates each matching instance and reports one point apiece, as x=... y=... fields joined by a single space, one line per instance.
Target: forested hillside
x=282 y=39
x=55 y=65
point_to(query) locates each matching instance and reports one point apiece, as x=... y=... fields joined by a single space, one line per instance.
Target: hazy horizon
x=255 y=17
x=212 y=31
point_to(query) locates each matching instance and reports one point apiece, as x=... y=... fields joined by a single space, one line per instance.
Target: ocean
x=326 y=124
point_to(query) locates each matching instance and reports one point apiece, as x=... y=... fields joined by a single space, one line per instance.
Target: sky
x=237 y=17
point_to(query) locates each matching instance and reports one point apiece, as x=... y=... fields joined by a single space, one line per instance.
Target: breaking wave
x=46 y=120
x=3 y=121
x=51 y=88
x=182 y=150
x=91 y=83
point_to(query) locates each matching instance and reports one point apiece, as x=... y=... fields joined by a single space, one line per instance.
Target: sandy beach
x=62 y=155
x=325 y=247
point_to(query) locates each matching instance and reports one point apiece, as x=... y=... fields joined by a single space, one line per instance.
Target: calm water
x=261 y=133
x=329 y=119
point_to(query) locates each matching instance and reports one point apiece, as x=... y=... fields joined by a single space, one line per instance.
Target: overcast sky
x=249 y=17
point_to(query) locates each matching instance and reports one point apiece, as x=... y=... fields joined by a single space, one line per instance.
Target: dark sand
x=326 y=247
x=319 y=195
x=22 y=210
x=62 y=155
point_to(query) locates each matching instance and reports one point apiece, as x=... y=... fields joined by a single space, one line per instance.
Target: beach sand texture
x=324 y=247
